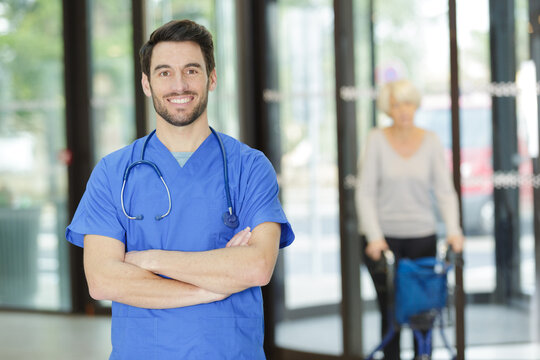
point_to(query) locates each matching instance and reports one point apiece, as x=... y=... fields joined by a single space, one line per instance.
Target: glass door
x=303 y=33
x=498 y=114
x=34 y=272
x=499 y=137
x=112 y=107
x=396 y=42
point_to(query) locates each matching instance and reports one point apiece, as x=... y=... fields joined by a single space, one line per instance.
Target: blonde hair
x=402 y=91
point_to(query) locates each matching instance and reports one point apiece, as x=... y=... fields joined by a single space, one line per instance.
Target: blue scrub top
x=227 y=329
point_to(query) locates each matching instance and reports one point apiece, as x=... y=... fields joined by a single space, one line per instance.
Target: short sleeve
x=96 y=213
x=260 y=202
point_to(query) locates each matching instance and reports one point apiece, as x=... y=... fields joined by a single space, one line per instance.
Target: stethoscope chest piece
x=230 y=220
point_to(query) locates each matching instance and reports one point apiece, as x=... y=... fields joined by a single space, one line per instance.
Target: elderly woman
x=402 y=167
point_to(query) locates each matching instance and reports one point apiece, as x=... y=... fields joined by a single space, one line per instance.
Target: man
x=182 y=263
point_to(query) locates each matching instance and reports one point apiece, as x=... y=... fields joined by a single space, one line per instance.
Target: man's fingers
x=241 y=238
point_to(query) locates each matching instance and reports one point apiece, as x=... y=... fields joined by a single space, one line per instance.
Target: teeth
x=181 y=101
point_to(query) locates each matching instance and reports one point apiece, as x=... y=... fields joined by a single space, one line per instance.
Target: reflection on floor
x=25 y=336
x=492 y=332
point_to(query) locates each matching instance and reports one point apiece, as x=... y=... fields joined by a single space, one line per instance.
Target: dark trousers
x=411 y=248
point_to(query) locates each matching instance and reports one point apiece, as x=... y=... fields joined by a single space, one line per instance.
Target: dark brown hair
x=179 y=30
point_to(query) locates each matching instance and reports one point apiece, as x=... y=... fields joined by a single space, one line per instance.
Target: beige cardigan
x=395 y=195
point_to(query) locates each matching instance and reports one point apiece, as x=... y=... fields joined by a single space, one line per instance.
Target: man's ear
x=212 y=80
x=145 y=82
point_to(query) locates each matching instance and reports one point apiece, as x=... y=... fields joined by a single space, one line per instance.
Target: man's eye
x=164 y=73
x=191 y=71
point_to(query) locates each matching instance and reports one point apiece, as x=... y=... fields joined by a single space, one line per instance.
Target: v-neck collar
x=386 y=140
x=168 y=164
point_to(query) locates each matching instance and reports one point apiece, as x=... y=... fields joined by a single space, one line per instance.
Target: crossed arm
x=195 y=277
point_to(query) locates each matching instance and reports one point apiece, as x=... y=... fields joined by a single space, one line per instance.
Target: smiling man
x=181 y=228
x=186 y=79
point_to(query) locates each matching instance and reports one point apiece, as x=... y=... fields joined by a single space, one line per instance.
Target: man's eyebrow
x=161 y=66
x=197 y=65
x=165 y=66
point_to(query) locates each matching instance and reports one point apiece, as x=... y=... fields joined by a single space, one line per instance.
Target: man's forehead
x=177 y=53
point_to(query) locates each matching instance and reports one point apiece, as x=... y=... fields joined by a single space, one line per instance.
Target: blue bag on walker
x=420 y=287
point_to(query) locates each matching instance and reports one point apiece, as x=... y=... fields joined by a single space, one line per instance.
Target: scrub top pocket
x=245 y=344
x=134 y=339
x=222 y=238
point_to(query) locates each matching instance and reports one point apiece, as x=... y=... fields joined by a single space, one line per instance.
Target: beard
x=180 y=119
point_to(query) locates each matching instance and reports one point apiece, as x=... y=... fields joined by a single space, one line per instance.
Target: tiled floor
x=25 y=336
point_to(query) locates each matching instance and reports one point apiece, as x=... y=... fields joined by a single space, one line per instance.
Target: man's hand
x=144 y=259
x=241 y=238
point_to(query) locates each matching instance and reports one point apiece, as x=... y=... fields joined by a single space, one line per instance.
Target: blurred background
x=297 y=79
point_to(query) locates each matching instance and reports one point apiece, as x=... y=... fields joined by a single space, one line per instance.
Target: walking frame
x=417 y=295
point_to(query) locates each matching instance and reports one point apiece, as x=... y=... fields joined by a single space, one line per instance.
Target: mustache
x=181 y=94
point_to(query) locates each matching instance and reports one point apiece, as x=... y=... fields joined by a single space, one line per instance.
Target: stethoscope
x=229 y=217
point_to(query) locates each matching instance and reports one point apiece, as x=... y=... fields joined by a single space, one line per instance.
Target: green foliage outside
x=30 y=44
x=31 y=100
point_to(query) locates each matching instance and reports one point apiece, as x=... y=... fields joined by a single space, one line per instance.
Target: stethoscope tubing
x=225 y=171
x=232 y=222
x=156 y=169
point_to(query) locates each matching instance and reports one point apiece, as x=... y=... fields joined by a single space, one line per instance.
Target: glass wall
x=492 y=305
x=112 y=107
x=476 y=143
x=527 y=126
x=33 y=176
x=412 y=42
x=219 y=18
x=309 y=176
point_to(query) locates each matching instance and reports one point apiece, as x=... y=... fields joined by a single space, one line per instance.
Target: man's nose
x=180 y=82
